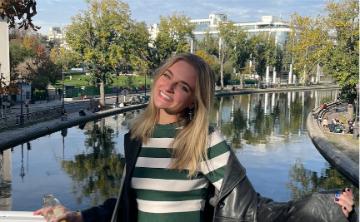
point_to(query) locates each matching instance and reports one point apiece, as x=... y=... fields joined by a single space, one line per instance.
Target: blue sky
x=59 y=12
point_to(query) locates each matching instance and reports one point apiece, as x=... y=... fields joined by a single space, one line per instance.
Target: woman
x=180 y=169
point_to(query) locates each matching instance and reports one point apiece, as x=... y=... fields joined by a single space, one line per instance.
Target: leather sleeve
x=315 y=207
x=99 y=213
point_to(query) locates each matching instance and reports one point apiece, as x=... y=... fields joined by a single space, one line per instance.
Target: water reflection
x=83 y=165
x=95 y=173
x=303 y=181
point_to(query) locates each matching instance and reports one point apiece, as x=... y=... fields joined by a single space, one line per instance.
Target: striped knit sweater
x=168 y=195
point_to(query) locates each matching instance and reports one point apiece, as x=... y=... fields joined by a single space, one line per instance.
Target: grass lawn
x=84 y=81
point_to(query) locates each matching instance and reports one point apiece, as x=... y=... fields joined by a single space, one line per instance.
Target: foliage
x=64 y=58
x=99 y=36
x=208 y=58
x=308 y=44
x=263 y=46
x=227 y=34
x=330 y=41
x=241 y=52
x=209 y=45
x=18 y=53
x=173 y=35
x=343 y=59
x=30 y=42
x=130 y=82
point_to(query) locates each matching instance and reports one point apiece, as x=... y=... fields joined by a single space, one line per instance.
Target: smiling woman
x=178 y=168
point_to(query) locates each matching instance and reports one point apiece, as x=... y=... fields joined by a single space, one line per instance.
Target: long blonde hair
x=192 y=139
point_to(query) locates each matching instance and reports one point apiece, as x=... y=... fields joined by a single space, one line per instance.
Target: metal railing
x=14 y=119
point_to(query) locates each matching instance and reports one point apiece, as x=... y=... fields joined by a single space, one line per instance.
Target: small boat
x=19 y=216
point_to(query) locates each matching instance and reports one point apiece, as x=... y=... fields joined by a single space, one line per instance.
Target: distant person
x=349 y=129
x=332 y=126
x=233 y=88
x=325 y=123
x=63 y=112
x=82 y=113
x=70 y=77
x=121 y=104
x=337 y=129
x=342 y=126
x=137 y=89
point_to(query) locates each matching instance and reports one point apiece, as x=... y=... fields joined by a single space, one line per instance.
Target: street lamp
x=117 y=88
x=356 y=125
x=20 y=79
x=63 y=92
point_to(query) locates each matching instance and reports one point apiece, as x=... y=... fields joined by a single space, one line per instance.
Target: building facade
x=58 y=33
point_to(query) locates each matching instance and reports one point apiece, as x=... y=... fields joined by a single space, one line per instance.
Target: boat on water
x=19 y=216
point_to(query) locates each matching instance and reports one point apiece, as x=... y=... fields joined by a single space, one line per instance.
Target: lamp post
x=63 y=92
x=356 y=125
x=145 y=85
x=117 y=88
x=20 y=79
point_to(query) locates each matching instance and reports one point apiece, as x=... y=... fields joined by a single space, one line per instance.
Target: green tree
x=343 y=58
x=97 y=34
x=309 y=46
x=173 y=37
x=64 y=58
x=263 y=46
x=18 y=54
x=227 y=34
x=241 y=52
x=130 y=82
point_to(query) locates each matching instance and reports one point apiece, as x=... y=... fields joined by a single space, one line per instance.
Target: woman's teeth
x=165 y=96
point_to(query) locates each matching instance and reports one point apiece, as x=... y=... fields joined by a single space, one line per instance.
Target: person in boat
x=178 y=168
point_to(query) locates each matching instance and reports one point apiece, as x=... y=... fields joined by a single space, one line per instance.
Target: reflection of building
x=5 y=180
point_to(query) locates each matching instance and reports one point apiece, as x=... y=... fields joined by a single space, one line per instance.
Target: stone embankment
x=14 y=137
x=338 y=157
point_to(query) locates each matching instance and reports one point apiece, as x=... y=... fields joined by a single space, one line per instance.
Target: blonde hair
x=191 y=142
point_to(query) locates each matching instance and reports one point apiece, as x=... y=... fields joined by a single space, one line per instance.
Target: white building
x=58 y=33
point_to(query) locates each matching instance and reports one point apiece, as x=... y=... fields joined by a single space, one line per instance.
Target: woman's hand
x=68 y=215
x=346 y=201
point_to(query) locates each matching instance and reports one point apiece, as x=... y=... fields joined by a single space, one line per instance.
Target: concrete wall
x=4 y=49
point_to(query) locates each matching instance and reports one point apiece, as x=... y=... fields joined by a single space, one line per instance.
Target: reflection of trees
x=262 y=127
x=302 y=181
x=96 y=174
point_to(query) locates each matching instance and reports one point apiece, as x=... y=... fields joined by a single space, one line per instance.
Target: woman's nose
x=169 y=87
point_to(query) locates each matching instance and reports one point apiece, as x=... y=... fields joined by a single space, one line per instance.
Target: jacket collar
x=131 y=149
x=234 y=173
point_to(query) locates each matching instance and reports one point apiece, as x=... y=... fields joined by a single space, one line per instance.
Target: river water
x=82 y=165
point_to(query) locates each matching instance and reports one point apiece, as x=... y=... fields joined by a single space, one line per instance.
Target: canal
x=82 y=165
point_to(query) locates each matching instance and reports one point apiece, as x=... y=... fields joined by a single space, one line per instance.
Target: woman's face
x=175 y=88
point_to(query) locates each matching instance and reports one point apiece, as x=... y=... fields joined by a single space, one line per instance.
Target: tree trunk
x=102 y=91
x=241 y=80
x=222 y=72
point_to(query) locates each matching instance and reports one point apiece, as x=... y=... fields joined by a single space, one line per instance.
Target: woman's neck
x=165 y=118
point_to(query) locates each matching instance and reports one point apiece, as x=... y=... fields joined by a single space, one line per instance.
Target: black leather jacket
x=237 y=201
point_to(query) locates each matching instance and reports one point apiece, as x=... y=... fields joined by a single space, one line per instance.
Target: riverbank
x=340 y=158
x=18 y=135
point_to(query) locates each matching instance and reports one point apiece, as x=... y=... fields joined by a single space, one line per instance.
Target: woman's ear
x=192 y=105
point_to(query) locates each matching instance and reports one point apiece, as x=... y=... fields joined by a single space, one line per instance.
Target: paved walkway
x=344 y=143
x=338 y=149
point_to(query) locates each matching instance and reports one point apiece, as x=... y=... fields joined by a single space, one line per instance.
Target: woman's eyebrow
x=183 y=82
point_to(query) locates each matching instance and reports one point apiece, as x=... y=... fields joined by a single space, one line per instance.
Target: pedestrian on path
x=175 y=160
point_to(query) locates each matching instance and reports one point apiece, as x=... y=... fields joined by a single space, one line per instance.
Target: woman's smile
x=165 y=97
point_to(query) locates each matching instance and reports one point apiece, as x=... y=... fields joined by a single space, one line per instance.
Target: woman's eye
x=184 y=88
x=166 y=76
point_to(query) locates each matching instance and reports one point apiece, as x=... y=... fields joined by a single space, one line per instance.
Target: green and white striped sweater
x=168 y=195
